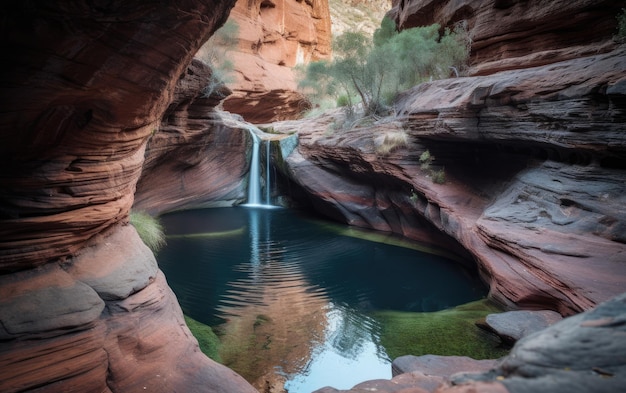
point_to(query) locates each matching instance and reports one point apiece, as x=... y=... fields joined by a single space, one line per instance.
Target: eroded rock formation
x=83 y=306
x=199 y=155
x=533 y=152
x=274 y=37
x=534 y=191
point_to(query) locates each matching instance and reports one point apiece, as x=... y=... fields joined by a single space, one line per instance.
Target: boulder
x=582 y=353
x=511 y=326
x=443 y=366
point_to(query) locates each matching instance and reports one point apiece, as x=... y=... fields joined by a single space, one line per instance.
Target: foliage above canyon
x=371 y=70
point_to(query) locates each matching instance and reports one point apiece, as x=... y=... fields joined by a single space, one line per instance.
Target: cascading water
x=268 y=199
x=254 y=182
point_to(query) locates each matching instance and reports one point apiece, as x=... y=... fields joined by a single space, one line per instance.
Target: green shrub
x=343 y=100
x=392 y=141
x=207 y=339
x=439 y=176
x=425 y=160
x=149 y=229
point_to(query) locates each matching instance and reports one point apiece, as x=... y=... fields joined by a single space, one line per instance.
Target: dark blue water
x=291 y=296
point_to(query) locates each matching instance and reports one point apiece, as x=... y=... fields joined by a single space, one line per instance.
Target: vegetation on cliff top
x=371 y=70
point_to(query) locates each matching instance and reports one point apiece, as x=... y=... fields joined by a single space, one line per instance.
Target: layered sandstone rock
x=511 y=34
x=103 y=321
x=357 y=15
x=274 y=37
x=199 y=155
x=83 y=306
x=534 y=190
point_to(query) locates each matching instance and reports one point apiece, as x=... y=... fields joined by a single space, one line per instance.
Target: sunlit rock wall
x=274 y=37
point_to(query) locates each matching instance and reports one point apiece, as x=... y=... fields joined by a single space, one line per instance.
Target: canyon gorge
x=105 y=109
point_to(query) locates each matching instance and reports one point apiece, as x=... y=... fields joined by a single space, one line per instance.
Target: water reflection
x=290 y=300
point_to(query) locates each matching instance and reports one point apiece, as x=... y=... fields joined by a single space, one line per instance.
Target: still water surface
x=292 y=297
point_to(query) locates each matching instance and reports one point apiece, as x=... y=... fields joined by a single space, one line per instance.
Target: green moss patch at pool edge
x=207 y=339
x=447 y=332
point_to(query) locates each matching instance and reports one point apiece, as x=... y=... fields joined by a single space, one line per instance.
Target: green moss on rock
x=447 y=332
x=207 y=339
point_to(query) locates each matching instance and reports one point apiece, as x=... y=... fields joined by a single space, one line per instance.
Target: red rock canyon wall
x=274 y=37
x=83 y=306
x=510 y=34
x=534 y=155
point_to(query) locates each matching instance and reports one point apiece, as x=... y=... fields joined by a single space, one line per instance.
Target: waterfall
x=268 y=190
x=254 y=181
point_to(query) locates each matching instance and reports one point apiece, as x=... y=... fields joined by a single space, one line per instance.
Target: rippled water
x=292 y=297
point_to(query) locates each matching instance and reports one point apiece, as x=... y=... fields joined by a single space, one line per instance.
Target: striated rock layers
x=198 y=156
x=83 y=306
x=534 y=164
x=512 y=34
x=534 y=176
x=274 y=37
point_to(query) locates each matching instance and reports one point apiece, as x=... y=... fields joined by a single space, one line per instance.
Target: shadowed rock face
x=83 y=306
x=86 y=86
x=274 y=37
x=512 y=34
x=195 y=157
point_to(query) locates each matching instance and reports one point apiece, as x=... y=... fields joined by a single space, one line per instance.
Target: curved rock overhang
x=84 y=85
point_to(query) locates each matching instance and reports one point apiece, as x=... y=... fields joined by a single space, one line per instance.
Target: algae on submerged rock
x=447 y=332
